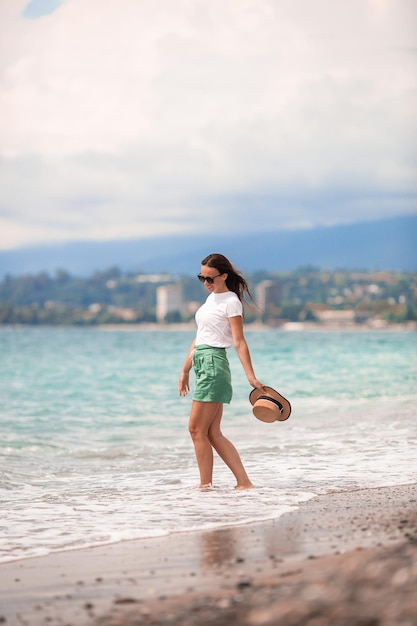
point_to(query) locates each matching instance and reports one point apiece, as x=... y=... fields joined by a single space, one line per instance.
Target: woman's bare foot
x=207 y=486
x=247 y=486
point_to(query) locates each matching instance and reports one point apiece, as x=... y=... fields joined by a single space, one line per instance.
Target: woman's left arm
x=241 y=347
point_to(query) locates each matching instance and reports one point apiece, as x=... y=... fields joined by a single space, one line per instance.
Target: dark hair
x=234 y=281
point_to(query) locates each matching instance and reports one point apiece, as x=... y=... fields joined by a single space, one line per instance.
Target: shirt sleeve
x=234 y=308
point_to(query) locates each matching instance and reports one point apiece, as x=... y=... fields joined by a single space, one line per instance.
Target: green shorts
x=213 y=381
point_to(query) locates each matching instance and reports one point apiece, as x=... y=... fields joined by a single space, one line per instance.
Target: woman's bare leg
x=201 y=417
x=227 y=451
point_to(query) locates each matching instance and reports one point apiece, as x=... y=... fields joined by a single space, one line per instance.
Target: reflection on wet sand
x=219 y=547
x=236 y=544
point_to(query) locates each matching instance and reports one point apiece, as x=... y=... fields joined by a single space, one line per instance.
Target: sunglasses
x=208 y=279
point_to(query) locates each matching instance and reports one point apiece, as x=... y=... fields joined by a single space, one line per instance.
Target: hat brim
x=269 y=391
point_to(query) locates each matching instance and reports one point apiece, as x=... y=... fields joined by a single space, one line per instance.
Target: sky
x=139 y=118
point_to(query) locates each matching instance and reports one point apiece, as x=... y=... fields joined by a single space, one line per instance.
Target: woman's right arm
x=184 y=381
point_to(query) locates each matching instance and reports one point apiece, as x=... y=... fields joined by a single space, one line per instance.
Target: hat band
x=279 y=405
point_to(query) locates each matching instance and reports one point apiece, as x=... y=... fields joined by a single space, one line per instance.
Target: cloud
x=131 y=119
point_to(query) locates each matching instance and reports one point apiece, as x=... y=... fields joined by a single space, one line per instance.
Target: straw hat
x=269 y=405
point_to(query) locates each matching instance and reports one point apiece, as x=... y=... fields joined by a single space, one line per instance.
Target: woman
x=219 y=325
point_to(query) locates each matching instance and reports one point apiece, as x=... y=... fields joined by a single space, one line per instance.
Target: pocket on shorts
x=204 y=365
x=208 y=365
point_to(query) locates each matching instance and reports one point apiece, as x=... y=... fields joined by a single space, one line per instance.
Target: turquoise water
x=95 y=447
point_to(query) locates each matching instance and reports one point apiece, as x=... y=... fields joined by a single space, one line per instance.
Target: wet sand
x=342 y=559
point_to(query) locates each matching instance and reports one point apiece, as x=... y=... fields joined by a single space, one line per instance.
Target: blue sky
x=39 y=8
x=130 y=119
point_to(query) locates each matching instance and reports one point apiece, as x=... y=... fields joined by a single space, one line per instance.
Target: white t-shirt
x=212 y=319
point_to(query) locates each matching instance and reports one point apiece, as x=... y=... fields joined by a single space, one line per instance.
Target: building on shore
x=267 y=297
x=169 y=303
x=332 y=318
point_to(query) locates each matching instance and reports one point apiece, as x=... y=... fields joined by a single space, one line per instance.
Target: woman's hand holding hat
x=254 y=382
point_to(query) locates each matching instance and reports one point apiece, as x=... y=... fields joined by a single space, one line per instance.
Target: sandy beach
x=345 y=558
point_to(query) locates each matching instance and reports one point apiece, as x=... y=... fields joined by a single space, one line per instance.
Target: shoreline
x=290 y=327
x=406 y=327
x=233 y=574
x=285 y=327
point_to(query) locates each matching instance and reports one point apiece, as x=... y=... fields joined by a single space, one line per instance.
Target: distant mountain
x=380 y=245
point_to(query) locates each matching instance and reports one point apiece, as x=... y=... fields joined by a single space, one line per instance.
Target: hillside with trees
x=115 y=297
